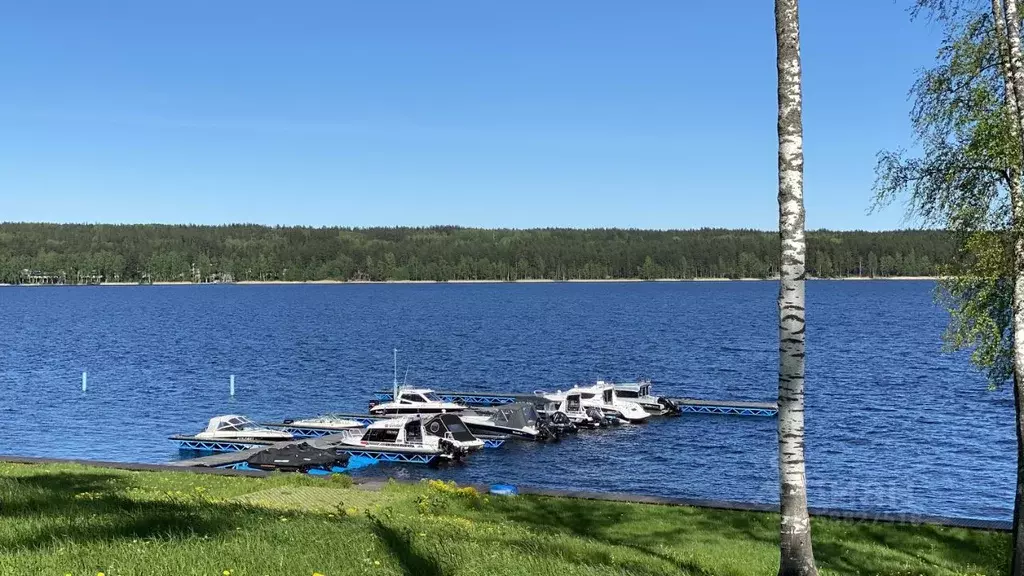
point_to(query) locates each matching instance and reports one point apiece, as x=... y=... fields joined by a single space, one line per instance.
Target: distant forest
x=73 y=253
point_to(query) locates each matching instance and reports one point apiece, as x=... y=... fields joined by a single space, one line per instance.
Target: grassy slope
x=61 y=519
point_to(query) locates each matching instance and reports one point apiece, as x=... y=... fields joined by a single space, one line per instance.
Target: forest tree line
x=130 y=253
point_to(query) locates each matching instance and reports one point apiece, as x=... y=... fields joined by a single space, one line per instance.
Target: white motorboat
x=236 y=428
x=327 y=421
x=570 y=405
x=414 y=401
x=602 y=395
x=443 y=435
x=640 y=392
x=520 y=420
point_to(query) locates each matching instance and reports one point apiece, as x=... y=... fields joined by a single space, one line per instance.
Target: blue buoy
x=504 y=490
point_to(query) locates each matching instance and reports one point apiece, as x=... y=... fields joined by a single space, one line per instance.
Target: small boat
x=520 y=420
x=301 y=457
x=327 y=421
x=640 y=392
x=414 y=401
x=239 y=428
x=442 y=435
x=602 y=395
x=569 y=406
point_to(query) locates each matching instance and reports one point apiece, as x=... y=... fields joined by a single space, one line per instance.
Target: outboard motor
x=547 y=432
x=560 y=423
x=670 y=407
x=449 y=447
x=597 y=416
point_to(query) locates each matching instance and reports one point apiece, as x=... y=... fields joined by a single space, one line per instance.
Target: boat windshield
x=431 y=397
x=382 y=435
x=609 y=395
x=236 y=425
x=626 y=394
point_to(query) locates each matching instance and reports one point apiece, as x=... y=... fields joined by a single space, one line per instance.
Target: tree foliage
x=960 y=181
x=250 y=252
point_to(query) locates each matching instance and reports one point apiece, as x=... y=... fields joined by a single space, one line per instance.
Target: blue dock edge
x=686 y=405
x=196 y=445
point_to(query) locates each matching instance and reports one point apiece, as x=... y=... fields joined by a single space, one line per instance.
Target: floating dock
x=201 y=445
x=234 y=454
x=688 y=405
x=221 y=460
x=729 y=407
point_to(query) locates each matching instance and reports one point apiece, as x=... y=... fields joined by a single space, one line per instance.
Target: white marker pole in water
x=85 y=381
x=232 y=385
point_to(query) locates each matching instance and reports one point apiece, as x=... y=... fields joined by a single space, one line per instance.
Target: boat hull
x=416 y=449
x=411 y=411
x=481 y=428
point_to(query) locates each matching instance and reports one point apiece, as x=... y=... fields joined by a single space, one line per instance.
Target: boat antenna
x=394 y=392
x=406 y=377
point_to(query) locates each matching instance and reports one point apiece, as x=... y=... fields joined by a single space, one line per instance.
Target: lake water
x=893 y=424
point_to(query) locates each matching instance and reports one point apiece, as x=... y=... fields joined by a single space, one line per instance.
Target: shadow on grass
x=603 y=523
x=841 y=547
x=882 y=548
x=400 y=545
x=39 y=510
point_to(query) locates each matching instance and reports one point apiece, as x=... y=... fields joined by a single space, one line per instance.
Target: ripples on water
x=892 y=424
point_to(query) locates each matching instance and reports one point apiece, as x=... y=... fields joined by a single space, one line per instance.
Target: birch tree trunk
x=796 y=553
x=1007 y=25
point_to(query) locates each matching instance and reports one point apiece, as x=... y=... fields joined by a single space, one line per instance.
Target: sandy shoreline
x=526 y=281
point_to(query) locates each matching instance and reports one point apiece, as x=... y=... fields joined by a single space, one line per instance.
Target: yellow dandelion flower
x=376 y=562
x=226 y=573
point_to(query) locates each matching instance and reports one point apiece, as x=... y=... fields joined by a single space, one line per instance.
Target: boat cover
x=442 y=423
x=297 y=457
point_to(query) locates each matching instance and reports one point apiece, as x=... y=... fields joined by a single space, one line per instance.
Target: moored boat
x=441 y=435
x=640 y=392
x=233 y=427
x=602 y=395
x=327 y=421
x=519 y=420
x=414 y=401
x=301 y=457
x=569 y=405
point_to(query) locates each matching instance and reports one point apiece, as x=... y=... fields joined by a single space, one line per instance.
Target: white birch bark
x=1007 y=25
x=796 y=554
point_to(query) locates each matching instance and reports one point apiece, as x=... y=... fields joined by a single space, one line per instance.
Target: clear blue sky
x=577 y=113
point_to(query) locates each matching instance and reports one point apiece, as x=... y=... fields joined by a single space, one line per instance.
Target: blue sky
x=579 y=113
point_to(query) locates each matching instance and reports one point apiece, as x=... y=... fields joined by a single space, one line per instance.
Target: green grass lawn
x=67 y=519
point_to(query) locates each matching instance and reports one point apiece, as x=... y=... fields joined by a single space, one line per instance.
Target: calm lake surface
x=893 y=424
